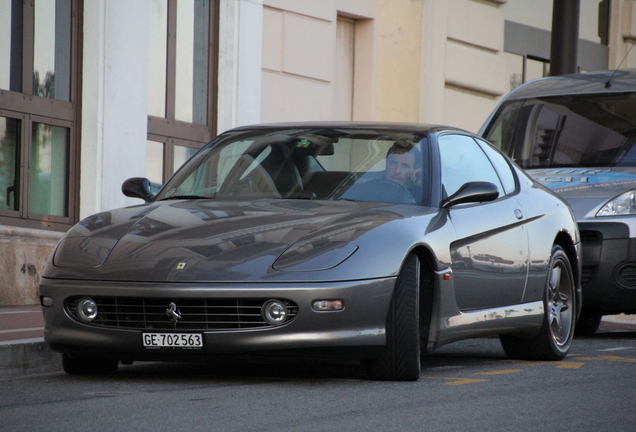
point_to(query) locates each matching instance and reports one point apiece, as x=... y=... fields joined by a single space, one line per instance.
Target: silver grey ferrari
x=374 y=241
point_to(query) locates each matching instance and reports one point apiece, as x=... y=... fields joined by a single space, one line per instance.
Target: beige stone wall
x=300 y=63
x=474 y=65
x=297 y=66
x=622 y=34
x=23 y=254
x=425 y=61
x=399 y=42
x=440 y=62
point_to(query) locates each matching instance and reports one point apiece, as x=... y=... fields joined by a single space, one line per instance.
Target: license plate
x=172 y=340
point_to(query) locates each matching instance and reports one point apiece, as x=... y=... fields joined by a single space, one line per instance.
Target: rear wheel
x=78 y=365
x=400 y=359
x=555 y=337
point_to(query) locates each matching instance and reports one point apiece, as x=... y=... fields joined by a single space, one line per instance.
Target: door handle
x=518 y=214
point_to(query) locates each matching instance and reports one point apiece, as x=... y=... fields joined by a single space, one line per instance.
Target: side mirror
x=138 y=187
x=472 y=192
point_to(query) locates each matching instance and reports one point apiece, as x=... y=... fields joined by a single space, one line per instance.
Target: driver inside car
x=400 y=182
x=400 y=166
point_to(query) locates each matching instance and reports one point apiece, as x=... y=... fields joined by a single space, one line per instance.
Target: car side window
x=464 y=161
x=506 y=175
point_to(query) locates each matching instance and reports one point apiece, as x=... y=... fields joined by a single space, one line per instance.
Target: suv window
x=568 y=131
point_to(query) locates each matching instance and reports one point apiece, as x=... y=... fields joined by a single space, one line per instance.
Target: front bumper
x=609 y=268
x=359 y=326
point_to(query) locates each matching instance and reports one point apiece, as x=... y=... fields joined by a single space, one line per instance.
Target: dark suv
x=576 y=134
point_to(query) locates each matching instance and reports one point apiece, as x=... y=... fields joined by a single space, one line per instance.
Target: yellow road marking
x=610 y=358
x=455 y=381
x=560 y=364
x=500 y=372
x=569 y=365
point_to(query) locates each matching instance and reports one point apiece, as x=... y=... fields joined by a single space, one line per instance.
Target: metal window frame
x=29 y=108
x=169 y=130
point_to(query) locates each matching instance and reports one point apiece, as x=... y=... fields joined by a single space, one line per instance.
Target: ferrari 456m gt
x=379 y=242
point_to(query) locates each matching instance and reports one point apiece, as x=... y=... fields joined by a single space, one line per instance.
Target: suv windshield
x=328 y=164
x=568 y=131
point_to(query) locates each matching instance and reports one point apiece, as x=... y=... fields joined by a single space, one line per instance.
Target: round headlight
x=86 y=309
x=274 y=312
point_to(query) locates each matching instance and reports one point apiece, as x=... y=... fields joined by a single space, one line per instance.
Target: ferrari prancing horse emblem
x=173 y=312
x=181 y=266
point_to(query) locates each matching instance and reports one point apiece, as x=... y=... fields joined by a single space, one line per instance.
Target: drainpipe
x=565 y=37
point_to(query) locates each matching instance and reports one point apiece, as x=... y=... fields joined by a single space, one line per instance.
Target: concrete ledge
x=620 y=319
x=13 y=233
x=31 y=358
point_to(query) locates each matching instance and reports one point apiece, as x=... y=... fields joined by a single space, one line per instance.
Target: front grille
x=196 y=314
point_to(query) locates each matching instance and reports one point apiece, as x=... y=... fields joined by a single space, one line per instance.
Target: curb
x=21 y=359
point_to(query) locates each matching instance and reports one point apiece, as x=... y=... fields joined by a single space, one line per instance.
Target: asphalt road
x=466 y=386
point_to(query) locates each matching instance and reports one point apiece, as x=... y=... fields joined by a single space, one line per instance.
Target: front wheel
x=555 y=337
x=400 y=359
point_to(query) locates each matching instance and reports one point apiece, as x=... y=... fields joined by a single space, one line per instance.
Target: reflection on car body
x=296 y=240
x=575 y=134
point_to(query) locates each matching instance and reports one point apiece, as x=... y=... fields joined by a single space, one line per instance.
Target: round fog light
x=86 y=309
x=274 y=312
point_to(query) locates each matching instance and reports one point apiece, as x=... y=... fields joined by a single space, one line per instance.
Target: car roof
x=608 y=81
x=393 y=126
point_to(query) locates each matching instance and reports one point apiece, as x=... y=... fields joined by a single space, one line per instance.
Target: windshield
x=326 y=164
x=568 y=131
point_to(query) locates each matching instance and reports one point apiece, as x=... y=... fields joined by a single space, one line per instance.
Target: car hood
x=223 y=241
x=586 y=190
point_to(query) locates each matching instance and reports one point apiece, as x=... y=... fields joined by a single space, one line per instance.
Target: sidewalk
x=21 y=324
x=22 y=347
x=23 y=351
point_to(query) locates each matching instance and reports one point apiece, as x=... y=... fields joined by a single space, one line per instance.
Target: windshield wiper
x=307 y=195
x=178 y=197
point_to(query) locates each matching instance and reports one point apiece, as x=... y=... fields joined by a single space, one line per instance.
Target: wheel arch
x=565 y=240
x=427 y=281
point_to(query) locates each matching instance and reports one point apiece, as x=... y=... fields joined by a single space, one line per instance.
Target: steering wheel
x=381 y=190
x=396 y=191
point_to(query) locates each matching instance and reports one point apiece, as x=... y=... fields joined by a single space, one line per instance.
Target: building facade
x=96 y=91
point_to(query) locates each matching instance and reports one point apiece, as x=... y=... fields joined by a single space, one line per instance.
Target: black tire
x=555 y=337
x=588 y=323
x=400 y=359
x=77 y=365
